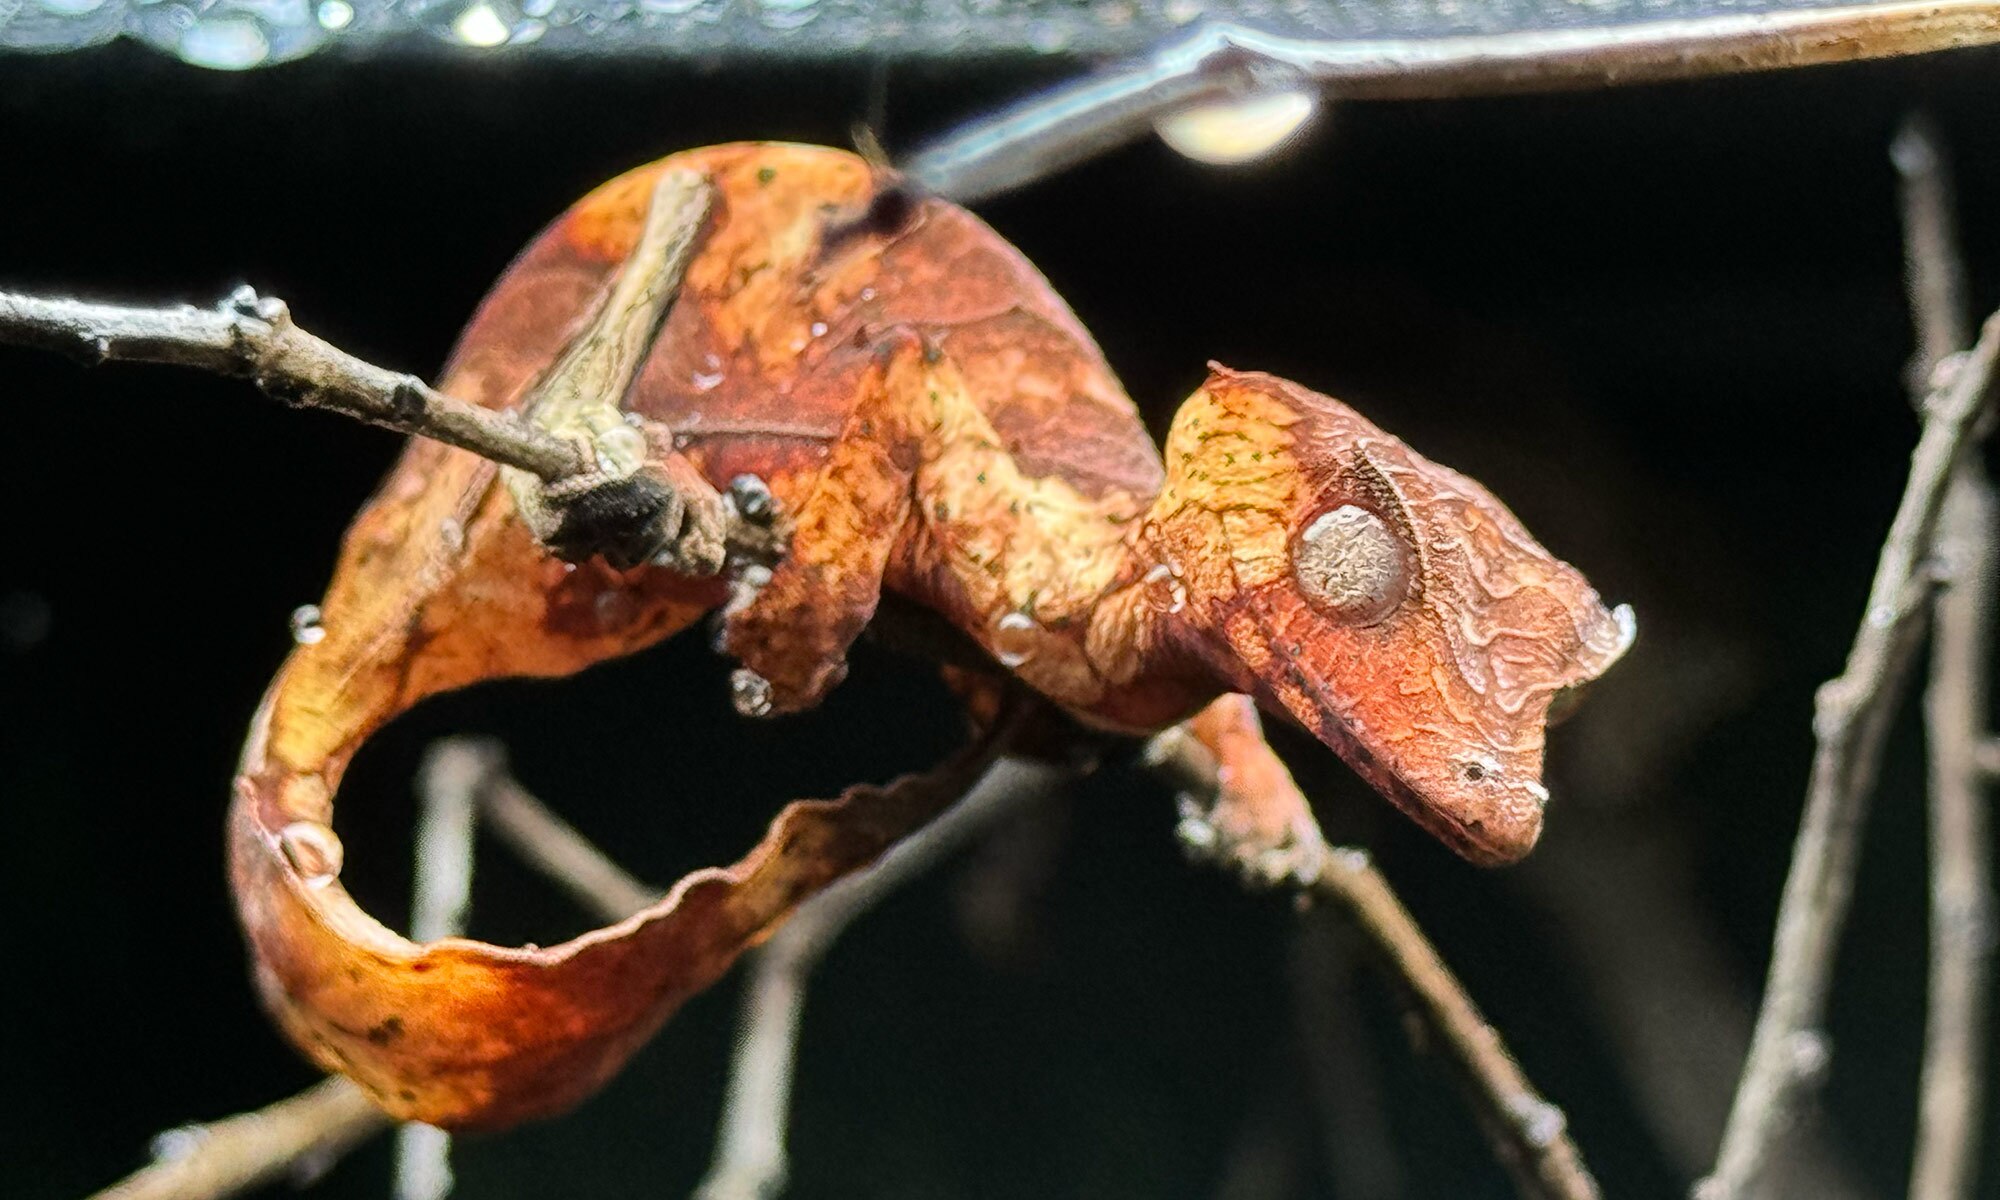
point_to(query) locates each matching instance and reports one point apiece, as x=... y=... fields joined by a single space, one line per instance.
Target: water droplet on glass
x=1014 y=637
x=72 y=8
x=334 y=14
x=313 y=851
x=480 y=25
x=670 y=8
x=1047 y=37
x=306 y=627
x=225 y=43
x=786 y=14
x=1232 y=132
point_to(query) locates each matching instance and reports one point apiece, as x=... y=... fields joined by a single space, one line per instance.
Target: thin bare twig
x=750 y=1159
x=447 y=785
x=252 y=335
x=750 y=1149
x=1788 y=1052
x=233 y=1155
x=546 y=842
x=1955 y=710
x=1529 y=1135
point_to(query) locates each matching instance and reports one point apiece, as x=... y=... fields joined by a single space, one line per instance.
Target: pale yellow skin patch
x=1032 y=549
x=1231 y=481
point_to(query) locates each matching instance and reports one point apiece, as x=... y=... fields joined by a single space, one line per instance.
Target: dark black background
x=1666 y=324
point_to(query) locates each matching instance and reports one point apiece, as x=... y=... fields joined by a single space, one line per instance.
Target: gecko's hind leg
x=1260 y=823
x=792 y=629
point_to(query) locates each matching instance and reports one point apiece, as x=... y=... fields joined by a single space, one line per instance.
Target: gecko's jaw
x=1484 y=804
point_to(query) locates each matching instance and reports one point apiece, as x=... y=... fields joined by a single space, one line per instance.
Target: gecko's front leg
x=791 y=628
x=1259 y=823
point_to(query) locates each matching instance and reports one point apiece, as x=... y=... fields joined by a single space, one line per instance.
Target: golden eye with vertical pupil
x=1351 y=566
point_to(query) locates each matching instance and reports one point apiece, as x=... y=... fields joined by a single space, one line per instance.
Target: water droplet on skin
x=306 y=627
x=1014 y=637
x=1233 y=132
x=704 y=381
x=313 y=851
x=818 y=329
x=867 y=294
x=452 y=534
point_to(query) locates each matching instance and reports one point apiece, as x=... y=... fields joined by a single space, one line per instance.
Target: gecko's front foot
x=1289 y=857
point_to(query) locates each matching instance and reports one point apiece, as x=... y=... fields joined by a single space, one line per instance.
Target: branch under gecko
x=1528 y=1134
x=586 y=502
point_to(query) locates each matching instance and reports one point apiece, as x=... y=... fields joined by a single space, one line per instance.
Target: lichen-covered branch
x=1851 y=718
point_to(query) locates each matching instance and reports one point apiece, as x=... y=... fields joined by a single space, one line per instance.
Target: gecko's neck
x=1077 y=595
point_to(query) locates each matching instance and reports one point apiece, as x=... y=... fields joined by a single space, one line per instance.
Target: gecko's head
x=1394 y=607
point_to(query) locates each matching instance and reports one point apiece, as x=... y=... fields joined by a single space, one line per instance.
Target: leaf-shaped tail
x=440 y=585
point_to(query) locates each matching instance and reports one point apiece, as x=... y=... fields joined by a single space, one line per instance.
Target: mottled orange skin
x=934 y=423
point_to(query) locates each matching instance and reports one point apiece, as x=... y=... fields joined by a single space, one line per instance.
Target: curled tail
x=439 y=586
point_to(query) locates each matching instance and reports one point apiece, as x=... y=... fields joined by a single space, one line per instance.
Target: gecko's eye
x=1351 y=565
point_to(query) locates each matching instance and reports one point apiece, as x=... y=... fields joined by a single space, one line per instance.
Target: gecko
x=793 y=335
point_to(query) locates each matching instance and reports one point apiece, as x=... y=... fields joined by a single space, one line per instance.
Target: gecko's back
x=811 y=262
